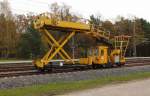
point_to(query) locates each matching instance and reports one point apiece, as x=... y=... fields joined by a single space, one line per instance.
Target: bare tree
x=5 y=9
x=8 y=30
x=62 y=12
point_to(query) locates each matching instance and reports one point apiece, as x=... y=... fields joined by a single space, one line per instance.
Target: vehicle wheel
x=94 y=66
x=109 y=65
x=118 y=64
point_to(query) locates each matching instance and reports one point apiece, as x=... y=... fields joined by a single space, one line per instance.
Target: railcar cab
x=96 y=56
x=99 y=55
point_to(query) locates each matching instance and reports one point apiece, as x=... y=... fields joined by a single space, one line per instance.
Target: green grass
x=59 y=88
x=8 y=60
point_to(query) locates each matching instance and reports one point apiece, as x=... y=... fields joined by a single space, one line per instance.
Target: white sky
x=109 y=9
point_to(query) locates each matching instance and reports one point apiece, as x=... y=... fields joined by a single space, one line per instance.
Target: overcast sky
x=109 y=9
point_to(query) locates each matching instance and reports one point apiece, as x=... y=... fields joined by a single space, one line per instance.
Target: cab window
x=89 y=52
x=96 y=52
x=102 y=52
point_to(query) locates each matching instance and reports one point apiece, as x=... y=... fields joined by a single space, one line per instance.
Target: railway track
x=26 y=68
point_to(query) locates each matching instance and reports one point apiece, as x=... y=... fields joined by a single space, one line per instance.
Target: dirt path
x=134 y=88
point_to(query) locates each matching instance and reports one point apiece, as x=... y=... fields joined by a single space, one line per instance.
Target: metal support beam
x=56 y=47
x=61 y=45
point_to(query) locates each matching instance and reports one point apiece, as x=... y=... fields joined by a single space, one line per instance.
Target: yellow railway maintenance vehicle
x=104 y=56
x=100 y=55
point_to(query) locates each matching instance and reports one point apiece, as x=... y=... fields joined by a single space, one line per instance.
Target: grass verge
x=11 y=60
x=59 y=88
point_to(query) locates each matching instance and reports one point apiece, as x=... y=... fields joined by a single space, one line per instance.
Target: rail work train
x=97 y=56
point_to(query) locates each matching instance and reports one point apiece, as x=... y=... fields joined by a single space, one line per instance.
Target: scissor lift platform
x=44 y=24
x=60 y=25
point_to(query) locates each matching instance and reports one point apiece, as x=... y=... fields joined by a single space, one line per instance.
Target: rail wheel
x=109 y=65
x=94 y=66
x=97 y=66
x=41 y=70
x=119 y=64
x=39 y=65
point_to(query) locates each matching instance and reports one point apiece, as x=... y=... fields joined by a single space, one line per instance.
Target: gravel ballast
x=22 y=81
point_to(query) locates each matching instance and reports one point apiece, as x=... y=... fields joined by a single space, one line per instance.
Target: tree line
x=18 y=38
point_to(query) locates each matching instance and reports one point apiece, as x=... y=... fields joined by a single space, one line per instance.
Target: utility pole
x=134 y=38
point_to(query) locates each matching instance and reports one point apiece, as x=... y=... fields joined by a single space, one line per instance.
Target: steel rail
x=11 y=69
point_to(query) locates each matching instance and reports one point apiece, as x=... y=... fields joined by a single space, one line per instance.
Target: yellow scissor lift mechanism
x=45 y=23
